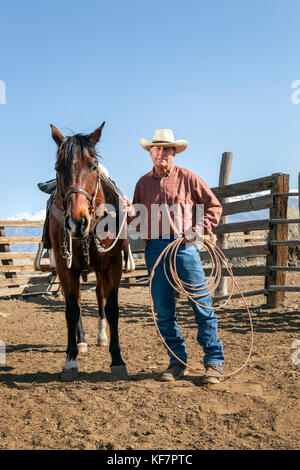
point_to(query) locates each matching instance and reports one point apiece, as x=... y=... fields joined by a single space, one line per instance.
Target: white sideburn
x=130 y=263
x=102 y=336
x=70 y=364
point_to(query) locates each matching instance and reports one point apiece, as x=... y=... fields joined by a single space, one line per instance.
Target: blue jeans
x=190 y=270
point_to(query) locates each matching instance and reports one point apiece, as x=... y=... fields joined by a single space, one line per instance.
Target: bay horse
x=77 y=249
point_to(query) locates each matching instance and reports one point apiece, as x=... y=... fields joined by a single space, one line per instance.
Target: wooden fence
x=17 y=276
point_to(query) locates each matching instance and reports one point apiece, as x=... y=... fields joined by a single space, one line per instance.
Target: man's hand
x=190 y=239
x=125 y=203
x=211 y=237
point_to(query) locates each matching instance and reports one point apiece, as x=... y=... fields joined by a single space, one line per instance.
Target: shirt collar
x=155 y=175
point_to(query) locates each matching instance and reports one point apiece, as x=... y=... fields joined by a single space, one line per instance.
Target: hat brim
x=179 y=145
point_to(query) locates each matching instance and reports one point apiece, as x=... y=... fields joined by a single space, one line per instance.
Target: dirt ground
x=256 y=409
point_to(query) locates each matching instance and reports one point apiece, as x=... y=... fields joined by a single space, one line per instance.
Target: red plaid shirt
x=178 y=186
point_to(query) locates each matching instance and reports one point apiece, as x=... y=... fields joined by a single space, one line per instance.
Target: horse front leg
x=118 y=366
x=71 y=287
x=81 y=343
x=102 y=339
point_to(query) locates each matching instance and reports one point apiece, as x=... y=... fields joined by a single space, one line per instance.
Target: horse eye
x=94 y=168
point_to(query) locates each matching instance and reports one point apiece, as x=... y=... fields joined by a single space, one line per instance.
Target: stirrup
x=38 y=257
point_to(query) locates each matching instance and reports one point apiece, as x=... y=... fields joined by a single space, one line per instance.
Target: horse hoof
x=102 y=342
x=119 y=371
x=69 y=375
x=82 y=348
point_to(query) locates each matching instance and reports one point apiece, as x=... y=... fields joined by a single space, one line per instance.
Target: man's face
x=162 y=157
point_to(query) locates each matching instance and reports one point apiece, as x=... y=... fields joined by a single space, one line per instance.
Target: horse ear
x=95 y=136
x=56 y=135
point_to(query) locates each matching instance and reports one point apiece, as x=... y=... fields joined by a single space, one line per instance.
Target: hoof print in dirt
x=69 y=375
x=120 y=372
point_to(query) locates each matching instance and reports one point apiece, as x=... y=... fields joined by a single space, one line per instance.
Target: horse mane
x=73 y=146
x=111 y=191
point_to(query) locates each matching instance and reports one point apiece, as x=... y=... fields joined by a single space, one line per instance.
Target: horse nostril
x=67 y=223
x=84 y=222
x=77 y=228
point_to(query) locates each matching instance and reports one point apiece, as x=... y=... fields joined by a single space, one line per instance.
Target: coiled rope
x=194 y=291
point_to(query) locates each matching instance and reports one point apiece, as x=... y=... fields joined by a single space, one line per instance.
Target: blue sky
x=218 y=73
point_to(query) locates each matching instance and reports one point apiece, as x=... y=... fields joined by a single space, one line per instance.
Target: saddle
x=48 y=187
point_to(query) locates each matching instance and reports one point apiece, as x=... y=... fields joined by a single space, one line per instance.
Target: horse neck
x=100 y=196
x=58 y=201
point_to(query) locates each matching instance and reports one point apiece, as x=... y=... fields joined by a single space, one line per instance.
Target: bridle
x=90 y=197
x=85 y=244
x=67 y=242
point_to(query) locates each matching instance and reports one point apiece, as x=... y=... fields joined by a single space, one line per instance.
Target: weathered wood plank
x=245 y=294
x=7 y=240
x=285 y=221
x=248 y=205
x=16 y=268
x=29 y=290
x=246 y=187
x=243 y=271
x=287 y=194
x=284 y=268
x=251 y=251
x=21 y=223
x=247 y=237
x=284 y=243
x=14 y=255
x=252 y=225
x=284 y=288
x=26 y=280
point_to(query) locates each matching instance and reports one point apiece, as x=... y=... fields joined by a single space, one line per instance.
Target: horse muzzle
x=78 y=229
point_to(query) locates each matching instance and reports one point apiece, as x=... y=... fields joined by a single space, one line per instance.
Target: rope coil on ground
x=210 y=285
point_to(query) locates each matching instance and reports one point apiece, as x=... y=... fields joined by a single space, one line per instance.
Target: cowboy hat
x=164 y=138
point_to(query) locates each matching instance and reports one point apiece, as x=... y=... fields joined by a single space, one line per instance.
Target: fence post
x=224 y=179
x=278 y=254
x=6 y=249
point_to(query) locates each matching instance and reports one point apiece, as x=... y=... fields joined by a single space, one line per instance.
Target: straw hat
x=164 y=138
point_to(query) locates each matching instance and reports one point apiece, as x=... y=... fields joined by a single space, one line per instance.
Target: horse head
x=78 y=179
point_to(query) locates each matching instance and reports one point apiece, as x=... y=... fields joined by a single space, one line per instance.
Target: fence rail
x=21 y=279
